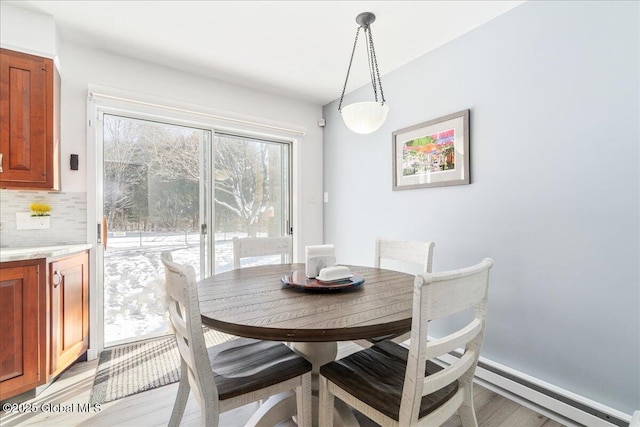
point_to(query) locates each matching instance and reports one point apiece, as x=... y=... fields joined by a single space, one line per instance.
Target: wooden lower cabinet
x=22 y=327
x=44 y=320
x=69 y=287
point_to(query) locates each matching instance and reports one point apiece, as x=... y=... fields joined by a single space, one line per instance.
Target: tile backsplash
x=68 y=218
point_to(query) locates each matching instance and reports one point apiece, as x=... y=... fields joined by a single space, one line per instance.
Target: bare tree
x=122 y=168
x=175 y=152
x=243 y=179
x=145 y=163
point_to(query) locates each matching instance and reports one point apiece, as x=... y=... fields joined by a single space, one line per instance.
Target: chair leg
x=209 y=417
x=181 y=397
x=325 y=407
x=466 y=410
x=303 y=401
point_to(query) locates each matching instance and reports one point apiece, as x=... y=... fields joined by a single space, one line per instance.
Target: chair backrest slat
x=451 y=293
x=262 y=246
x=408 y=251
x=176 y=316
x=184 y=349
x=451 y=373
x=458 y=339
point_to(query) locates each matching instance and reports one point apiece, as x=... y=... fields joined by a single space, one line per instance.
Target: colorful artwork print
x=429 y=154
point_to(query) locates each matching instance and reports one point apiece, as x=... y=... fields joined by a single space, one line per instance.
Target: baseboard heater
x=559 y=405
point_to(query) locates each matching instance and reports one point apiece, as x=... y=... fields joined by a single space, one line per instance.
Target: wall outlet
x=24 y=221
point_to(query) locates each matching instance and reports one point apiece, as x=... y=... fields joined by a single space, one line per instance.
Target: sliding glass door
x=154 y=189
x=157 y=194
x=252 y=193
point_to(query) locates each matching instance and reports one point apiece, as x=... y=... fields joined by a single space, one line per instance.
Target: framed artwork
x=432 y=154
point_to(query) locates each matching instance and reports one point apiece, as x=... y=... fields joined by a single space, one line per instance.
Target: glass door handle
x=104 y=232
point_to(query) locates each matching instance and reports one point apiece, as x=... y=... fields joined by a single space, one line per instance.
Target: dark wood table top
x=253 y=302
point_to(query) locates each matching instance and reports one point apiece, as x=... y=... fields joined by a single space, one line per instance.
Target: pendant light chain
x=375 y=63
x=344 y=88
x=372 y=62
x=372 y=75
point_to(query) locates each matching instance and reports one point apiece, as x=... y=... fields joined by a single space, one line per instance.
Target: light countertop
x=21 y=254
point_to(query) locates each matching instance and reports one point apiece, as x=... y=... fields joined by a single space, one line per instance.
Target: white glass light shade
x=365 y=117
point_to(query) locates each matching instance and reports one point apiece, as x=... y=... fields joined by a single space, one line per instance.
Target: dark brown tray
x=298 y=279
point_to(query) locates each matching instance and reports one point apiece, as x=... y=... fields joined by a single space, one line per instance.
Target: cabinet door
x=26 y=121
x=69 y=282
x=21 y=358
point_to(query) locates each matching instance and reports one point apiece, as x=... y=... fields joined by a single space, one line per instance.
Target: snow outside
x=134 y=304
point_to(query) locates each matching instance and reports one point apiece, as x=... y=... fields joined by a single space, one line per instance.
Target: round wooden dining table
x=255 y=302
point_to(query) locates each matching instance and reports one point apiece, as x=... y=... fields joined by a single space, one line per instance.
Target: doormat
x=141 y=366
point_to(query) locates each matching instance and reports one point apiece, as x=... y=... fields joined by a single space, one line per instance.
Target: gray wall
x=553 y=89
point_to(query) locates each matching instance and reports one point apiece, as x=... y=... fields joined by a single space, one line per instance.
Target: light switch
x=73 y=162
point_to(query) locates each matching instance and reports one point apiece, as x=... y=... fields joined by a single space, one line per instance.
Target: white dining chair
x=396 y=386
x=418 y=254
x=635 y=419
x=262 y=246
x=231 y=374
x=407 y=255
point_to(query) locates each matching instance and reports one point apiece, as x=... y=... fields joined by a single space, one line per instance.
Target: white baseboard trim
x=554 y=402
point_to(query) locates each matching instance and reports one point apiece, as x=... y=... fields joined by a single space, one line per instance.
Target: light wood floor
x=153 y=407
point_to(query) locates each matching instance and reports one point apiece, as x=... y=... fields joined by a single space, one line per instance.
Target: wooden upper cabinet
x=29 y=121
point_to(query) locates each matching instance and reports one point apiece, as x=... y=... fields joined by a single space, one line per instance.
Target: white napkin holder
x=318 y=257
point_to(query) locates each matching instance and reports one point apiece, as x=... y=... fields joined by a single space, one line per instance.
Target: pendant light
x=365 y=117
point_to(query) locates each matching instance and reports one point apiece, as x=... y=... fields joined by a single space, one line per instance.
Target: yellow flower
x=40 y=209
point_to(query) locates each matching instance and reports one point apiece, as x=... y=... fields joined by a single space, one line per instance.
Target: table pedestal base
x=283 y=406
x=318 y=353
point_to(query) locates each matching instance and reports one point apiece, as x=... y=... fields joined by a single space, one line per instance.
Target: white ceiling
x=292 y=48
